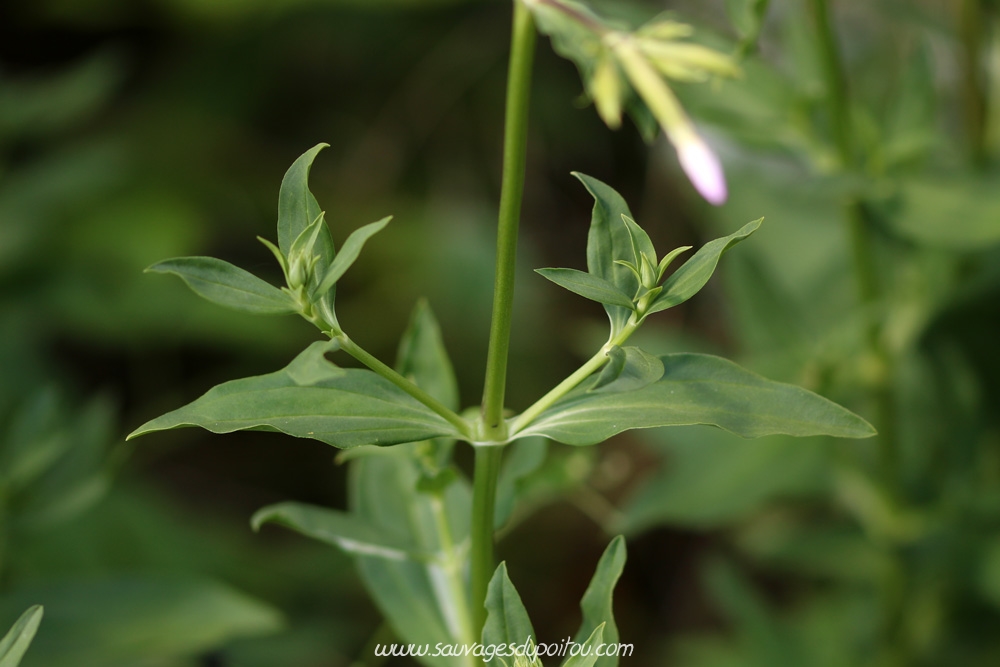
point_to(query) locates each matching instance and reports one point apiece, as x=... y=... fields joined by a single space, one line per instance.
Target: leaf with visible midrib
x=312 y=398
x=227 y=285
x=15 y=643
x=507 y=621
x=697 y=389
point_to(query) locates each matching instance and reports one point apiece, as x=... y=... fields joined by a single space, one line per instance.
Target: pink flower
x=702 y=167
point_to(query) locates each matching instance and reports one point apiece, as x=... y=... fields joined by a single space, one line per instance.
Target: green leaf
x=134 y=619
x=642 y=246
x=521 y=459
x=348 y=253
x=312 y=398
x=596 y=603
x=587 y=657
x=416 y=597
x=332 y=527
x=694 y=273
x=16 y=641
x=664 y=264
x=608 y=240
x=297 y=207
x=697 y=389
x=588 y=286
x=629 y=369
x=507 y=621
x=227 y=285
x=423 y=358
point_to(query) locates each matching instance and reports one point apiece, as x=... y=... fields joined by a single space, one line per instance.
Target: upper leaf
x=297 y=207
x=588 y=286
x=596 y=603
x=348 y=253
x=228 y=285
x=15 y=643
x=312 y=398
x=608 y=241
x=697 y=389
x=507 y=621
x=694 y=273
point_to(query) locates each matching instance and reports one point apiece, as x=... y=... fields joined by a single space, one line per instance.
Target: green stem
x=836 y=82
x=973 y=23
x=593 y=364
x=493 y=427
x=369 y=360
x=512 y=189
x=484 y=491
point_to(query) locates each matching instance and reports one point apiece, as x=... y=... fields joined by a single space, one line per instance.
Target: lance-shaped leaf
x=596 y=603
x=227 y=285
x=697 y=389
x=312 y=398
x=297 y=209
x=588 y=286
x=340 y=529
x=507 y=621
x=686 y=281
x=423 y=358
x=15 y=643
x=587 y=656
x=608 y=241
x=628 y=369
x=348 y=253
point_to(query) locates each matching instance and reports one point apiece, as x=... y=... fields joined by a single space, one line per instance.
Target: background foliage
x=130 y=132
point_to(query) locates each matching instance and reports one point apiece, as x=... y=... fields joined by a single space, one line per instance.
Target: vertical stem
x=522 y=54
x=514 y=153
x=836 y=82
x=972 y=26
x=862 y=245
x=483 y=509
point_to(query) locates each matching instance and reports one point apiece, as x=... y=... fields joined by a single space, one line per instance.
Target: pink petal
x=703 y=169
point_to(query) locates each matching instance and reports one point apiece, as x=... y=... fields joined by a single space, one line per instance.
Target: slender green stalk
x=494 y=428
x=972 y=24
x=372 y=362
x=484 y=491
x=512 y=189
x=591 y=366
x=862 y=244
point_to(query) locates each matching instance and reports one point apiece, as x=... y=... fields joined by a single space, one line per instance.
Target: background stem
x=514 y=155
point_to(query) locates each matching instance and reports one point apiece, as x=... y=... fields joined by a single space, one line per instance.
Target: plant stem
x=493 y=427
x=372 y=362
x=593 y=364
x=865 y=262
x=972 y=24
x=512 y=189
x=484 y=491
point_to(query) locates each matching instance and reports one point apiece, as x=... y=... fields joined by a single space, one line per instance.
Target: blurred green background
x=133 y=131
